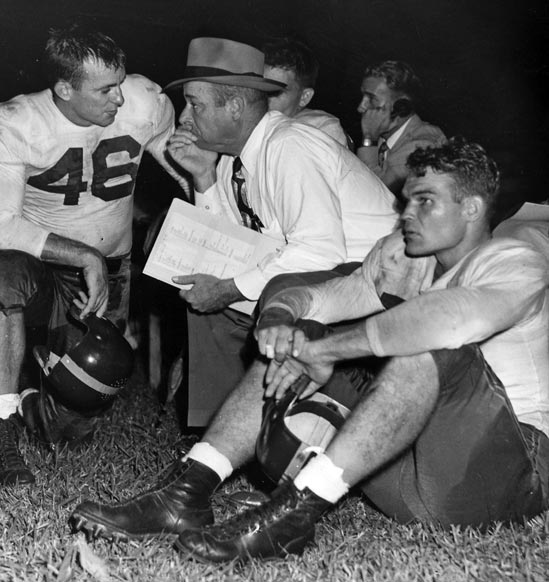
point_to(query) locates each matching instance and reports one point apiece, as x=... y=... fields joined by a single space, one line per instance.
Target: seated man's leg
x=181 y=500
x=471 y=464
x=26 y=294
x=220 y=349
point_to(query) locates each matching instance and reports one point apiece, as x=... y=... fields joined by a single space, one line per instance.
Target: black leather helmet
x=293 y=430
x=89 y=376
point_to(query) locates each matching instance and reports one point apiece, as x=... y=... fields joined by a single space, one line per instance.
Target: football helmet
x=90 y=374
x=293 y=430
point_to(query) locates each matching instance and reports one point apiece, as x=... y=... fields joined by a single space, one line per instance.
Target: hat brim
x=251 y=82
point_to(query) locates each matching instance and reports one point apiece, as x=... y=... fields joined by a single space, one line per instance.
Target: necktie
x=382 y=149
x=249 y=217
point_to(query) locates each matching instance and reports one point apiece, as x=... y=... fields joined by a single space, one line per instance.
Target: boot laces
x=286 y=500
x=10 y=456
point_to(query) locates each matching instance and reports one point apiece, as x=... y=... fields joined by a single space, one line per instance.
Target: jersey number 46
x=71 y=166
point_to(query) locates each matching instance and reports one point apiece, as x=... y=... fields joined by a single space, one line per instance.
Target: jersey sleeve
x=493 y=290
x=338 y=299
x=164 y=127
x=16 y=232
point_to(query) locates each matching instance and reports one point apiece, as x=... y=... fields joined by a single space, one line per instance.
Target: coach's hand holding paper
x=208 y=293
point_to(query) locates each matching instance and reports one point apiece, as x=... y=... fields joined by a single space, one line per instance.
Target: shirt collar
x=392 y=139
x=252 y=147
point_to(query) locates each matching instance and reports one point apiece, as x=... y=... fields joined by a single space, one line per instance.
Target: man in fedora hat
x=318 y=199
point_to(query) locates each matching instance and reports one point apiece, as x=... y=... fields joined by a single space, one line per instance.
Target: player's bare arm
x=208 y=293
x=64 y=251
x=316 y=359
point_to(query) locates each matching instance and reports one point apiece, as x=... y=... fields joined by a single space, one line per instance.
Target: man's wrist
x=274 y=316
x=205 y=180
x=368 y=141
x=231 y=292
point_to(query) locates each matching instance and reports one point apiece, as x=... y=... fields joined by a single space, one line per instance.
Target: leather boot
x=13 y=470
x=283 y=525
x=179 y=502
x=51 y=423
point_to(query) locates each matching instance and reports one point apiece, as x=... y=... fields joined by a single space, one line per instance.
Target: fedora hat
x=217 y=60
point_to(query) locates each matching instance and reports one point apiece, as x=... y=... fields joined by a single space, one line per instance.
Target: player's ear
x=306 y=96
x=63 y=89
x=474 y=208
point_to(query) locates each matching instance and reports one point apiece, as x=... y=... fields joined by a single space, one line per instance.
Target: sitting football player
x=451 y=429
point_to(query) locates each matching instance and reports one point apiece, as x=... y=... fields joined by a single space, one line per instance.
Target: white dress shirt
x=310 y=193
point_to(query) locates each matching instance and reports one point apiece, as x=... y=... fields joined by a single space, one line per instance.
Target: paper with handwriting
x=192 y=240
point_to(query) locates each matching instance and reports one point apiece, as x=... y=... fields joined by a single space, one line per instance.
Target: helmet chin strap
x=45 y=359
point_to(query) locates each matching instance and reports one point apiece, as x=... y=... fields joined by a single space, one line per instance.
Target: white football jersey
x=76 y=181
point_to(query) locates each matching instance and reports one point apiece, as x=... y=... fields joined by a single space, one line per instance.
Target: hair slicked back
x=67 y=49
x=399 y=76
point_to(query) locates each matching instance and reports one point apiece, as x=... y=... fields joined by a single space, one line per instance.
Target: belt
x=113 y=266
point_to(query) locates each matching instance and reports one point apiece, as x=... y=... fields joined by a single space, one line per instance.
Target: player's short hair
x=399 y=76
x=223 y=93
x=293 y=55
x=68 y=48
x=473 y=171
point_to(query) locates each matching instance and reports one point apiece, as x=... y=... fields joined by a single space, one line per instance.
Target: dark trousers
x=473 y=463
x=45 y=293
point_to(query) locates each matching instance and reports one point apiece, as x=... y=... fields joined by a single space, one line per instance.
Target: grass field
x=352 y=543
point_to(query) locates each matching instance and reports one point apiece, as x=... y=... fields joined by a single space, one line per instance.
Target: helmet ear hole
x=293 y=430
x=88 y=377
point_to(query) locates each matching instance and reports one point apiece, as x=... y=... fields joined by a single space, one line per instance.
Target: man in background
x=293 y=63
x=391 y=129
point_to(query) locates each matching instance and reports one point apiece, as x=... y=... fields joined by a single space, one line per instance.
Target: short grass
x=133 y=447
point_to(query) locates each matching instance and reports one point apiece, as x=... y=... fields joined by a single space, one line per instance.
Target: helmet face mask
x=294 y=430
x=88 y=377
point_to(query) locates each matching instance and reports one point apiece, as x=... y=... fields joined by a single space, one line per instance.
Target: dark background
x=483 y=63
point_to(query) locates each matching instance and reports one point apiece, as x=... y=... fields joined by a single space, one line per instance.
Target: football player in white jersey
x=69 y=157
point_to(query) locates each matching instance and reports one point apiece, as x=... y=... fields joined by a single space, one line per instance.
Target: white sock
x=323 y=478
x=8 y=405
x=211 y=457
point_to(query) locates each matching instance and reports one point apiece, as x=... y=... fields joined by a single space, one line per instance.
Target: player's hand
x=375 y=122
x=208 y=293
x=279 y=341
x=97 y=297
x=183 y=149
x=307 y=360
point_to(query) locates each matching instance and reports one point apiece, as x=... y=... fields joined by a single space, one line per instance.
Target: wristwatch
x=368 y=141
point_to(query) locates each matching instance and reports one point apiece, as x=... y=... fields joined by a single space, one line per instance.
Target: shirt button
x=207 y=207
